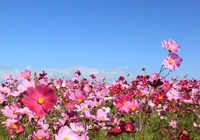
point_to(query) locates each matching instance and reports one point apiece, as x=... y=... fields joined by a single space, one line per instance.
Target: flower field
x=148 y=108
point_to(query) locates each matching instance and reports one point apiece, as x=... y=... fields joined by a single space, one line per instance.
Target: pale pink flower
x=132 y=106
x=65 y=133
x=102 y=115
x=78 y=127
x=24 y=75
x=174 y=94
x=78 y=96
x=7 y=77
x=25 y=85
x=40 y=135
x=2 y=98
x=24 y=110
x=171 y=46
x=172 y=62
x=10 y=122
x=87 y=115
x=173 y=123
x=11 y=111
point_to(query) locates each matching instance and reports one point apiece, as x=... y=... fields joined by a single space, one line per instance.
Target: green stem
x=167 y=74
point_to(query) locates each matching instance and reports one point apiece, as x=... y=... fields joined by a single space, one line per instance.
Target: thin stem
x=160 y=70
x=167 y=74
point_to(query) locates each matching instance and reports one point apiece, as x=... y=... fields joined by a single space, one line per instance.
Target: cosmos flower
x=171 y=46
x=172 y=62
x=40 y=100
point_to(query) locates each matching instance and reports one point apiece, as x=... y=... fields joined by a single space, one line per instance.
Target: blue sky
x=108 y=38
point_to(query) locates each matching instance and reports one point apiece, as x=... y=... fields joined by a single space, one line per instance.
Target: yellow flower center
x=102 y=117
x=36 y=116
x=78 y=131
x=124 y=104
x=184 y=132
x=18 y=131
x=84 y=108
x=15 y=112
x=102 y=94
x=160 y=98
x=170 y=62
x=25 y=77
x=173 y=95
x=133 y=108
x=41 y=100
x=65 y=138
x=25 y=111
x=11 y=122
x=39 y=137
x=0 y=100
x=170 y=48
x=128 y=129
x=14 y=126
x=79 y=100
x=71 y=118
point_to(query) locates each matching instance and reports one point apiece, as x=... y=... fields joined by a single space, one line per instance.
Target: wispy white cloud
x=110 y=74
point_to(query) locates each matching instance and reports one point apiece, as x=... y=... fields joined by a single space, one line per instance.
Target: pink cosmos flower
x=10 y=122
x=121 y=101
x=174 y=94
x=40 y=135
x=70 y=106
x=78 y=127
x=78 y=96
x=102 y=115
x=171 y=46
x=11 y=111
x=87 y=115
x=7 y=77
x=2 y=98
x=24 y=110
x=25 y=85
x=173 y=61
x=92 y=77
x=24 y=75
x=40 y=100
x=65 y=133
x=173 y=123
x=132 y=106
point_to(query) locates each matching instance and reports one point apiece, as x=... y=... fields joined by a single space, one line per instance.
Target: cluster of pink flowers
x=72 y=110
x=173 y=61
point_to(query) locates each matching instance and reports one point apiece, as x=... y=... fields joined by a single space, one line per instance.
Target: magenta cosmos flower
x=171 y=46
x=173 y=61
x=40 y=100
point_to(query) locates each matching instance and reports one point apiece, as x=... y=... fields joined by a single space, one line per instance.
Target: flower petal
x=51 y=99
x=40 y=111
x=47 y=106
x=33 y=93
x=31 y=104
